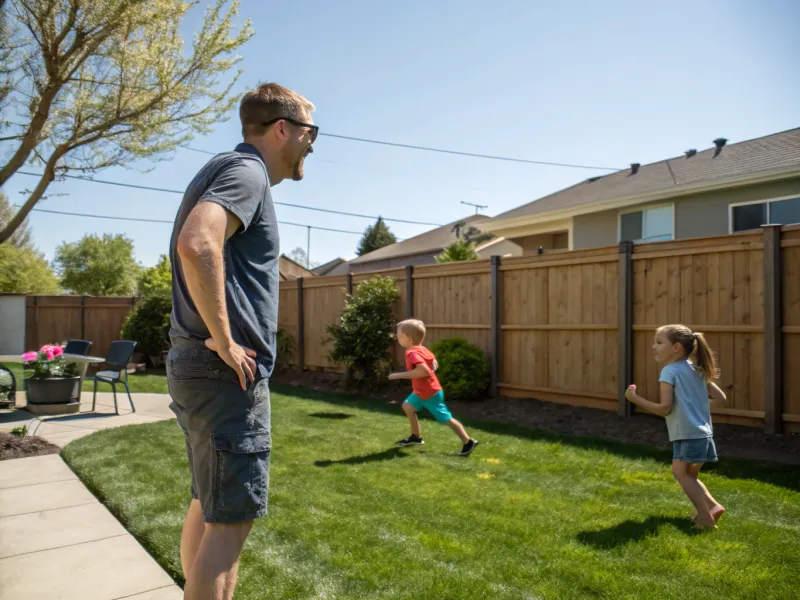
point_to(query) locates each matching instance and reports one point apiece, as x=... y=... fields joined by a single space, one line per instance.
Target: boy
x=427 y=391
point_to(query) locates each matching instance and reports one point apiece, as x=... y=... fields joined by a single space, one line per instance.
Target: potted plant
x=50 y=379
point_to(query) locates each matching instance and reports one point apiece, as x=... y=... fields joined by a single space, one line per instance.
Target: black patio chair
x=118 y=357
x=79 y=347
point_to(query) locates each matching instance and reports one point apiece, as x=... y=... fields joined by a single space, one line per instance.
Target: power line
x=474 y=155
x=143 y=220
x=314 y=208
x=443 y=151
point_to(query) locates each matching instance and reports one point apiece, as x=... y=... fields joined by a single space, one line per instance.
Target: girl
x=685 y=387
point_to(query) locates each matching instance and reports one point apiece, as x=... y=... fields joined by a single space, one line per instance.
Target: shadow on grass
x=786 y=476
x=334 y=416
x=633 y=531
x=389 y=454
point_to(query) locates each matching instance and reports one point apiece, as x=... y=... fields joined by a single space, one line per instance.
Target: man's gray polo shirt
x=237 y=181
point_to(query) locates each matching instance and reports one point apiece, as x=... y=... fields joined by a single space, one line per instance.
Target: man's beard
x=296 y=165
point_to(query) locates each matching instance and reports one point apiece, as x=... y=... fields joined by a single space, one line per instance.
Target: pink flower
x=58 y=350
x=49 y=353
x=29 y=357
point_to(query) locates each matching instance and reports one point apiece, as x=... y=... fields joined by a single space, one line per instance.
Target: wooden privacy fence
x=577 y=327
x=51 y=319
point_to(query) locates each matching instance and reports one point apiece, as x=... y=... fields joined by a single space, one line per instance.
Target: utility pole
x=308 y=247
x=477 y=206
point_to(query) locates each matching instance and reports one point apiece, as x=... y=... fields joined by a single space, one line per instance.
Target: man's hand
x=238 y=358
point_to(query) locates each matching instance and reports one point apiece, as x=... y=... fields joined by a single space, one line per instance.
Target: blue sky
x=580 y=82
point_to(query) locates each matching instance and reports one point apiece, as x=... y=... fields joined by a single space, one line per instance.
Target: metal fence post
x=773 y=321
x=625 y=328
x=495 y=325
x=301 y=334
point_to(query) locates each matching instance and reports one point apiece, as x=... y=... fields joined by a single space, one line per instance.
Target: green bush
x=363 y=338
x=284 y=348
x=463 y=369
x=148 y=325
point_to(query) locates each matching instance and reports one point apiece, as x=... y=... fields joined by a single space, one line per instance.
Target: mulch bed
x=731 y=440
x=13 y=446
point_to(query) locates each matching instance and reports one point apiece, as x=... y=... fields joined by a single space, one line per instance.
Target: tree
x=471 y=233
x=107 y=82
x=459 y=250
x=375 y=236
x=21 y=238
x=98 y=266
x=25 y=271
x=157 y=280
x=298 y=255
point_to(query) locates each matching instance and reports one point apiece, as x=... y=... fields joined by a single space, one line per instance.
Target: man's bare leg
x=212 y=576
x=192 y=535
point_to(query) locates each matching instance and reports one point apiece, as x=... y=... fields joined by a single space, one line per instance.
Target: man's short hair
x=267 y=102
x=414 y=329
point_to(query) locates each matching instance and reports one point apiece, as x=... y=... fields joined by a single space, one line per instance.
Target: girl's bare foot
x=704 y=524
x=717 y=512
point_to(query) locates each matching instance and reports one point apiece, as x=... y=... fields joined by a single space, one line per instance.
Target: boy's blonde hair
x=413 y=328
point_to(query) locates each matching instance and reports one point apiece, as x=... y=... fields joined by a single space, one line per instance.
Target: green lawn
x=153 y=381
x=529 y=515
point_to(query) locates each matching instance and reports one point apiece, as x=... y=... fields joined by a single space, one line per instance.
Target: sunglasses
x=313 y=130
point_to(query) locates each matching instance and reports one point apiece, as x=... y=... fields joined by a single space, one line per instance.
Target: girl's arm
x=662 y=408
x=418 y=372
x=715 y=393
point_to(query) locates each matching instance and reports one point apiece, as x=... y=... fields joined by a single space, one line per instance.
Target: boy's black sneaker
x=411 y=440
x=468 y=447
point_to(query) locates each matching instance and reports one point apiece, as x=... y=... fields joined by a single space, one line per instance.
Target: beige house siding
x=428 y=258
x=547 y=241
x=698 y=215
x=502 y=248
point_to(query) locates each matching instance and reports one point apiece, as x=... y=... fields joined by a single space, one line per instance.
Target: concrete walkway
x=56 y=540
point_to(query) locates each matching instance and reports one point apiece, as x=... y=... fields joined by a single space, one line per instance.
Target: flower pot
x=53 y=390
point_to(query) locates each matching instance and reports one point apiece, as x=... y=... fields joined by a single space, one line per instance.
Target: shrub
x=148 y=325
x=284 y=348
x=463 y=369
x=363 y=338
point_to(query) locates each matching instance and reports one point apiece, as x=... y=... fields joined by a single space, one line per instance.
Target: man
x=224 y=252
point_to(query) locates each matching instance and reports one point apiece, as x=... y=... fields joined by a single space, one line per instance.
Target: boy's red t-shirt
x=430 y=386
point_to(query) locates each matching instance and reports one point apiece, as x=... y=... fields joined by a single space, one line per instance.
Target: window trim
x=768 y=201
x=641 y=208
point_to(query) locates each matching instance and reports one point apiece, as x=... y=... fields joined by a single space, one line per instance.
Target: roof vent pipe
x=690 y=152
x=635 y=168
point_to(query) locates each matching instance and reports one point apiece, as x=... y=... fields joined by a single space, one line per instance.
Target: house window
x=776 y=212
x=650 y=225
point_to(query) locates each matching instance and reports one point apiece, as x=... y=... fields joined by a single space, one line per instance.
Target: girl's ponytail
x=704 y=358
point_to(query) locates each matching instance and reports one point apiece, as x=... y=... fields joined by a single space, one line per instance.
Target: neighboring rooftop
x=337 y=266
x=771 y=154
x=431 y=241
x=289 y=269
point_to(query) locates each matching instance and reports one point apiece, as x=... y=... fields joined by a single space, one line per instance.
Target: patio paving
x=61 y=430
x=57 y=541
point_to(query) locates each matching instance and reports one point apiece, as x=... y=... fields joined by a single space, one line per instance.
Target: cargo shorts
x=227 y=433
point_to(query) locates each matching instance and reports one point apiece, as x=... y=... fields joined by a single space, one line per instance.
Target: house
x=422 y=249
x=727 y=188
x=337 y=266
x=290 y=270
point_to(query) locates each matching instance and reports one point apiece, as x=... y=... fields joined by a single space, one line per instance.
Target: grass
x=529 y=515
x=151 y=382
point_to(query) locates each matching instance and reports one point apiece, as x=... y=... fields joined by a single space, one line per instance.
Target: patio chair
x=119 y=354
x=79 y=347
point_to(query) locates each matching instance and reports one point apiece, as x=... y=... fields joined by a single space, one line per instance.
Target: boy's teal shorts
x=434 y=405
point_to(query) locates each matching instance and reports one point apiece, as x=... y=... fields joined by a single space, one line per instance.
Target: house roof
x=290 y=270
x=328 y=267
x=431 y=241
x=776 y=153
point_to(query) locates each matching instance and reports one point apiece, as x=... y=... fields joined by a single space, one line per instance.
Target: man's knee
x=231 y=531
